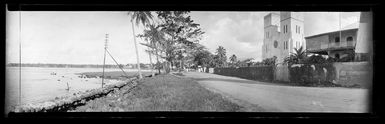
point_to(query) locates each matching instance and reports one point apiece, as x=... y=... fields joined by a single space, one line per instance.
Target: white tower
x=365 y=36
x=292 y=33
x=271 y=34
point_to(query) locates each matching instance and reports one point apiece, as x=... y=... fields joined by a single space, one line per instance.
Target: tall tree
x=143 y=17
x=203 y=58
x=220 y=57
x=155 y=36
x=180 y=33
x=233 y=59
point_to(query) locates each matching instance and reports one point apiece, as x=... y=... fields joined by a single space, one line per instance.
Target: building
x=284 y=31
x=331 y=44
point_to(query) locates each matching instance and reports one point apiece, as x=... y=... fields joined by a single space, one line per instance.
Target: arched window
x=275 y=44
x=350 y=38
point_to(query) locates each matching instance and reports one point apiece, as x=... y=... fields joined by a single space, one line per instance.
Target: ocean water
x=38 y=85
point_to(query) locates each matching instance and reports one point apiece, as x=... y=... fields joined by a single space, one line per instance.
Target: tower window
x=285 y=29
x=287 y=44
x=299 y=29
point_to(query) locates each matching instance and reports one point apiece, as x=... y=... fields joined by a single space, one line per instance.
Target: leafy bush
x=312 y=74
x=269 y=61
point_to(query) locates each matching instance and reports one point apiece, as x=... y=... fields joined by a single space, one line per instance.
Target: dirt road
x=280 y=98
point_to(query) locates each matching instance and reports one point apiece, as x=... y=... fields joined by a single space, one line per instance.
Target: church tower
x=271 y=33
x=283 y=32
x=292 y=33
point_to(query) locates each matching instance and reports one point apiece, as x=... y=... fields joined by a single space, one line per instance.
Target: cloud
x=239 y=33
x=72 y=37
x=321 y=22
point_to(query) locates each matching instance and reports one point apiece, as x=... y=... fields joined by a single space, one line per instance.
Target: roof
x=353 y=26
x=330 y=33
x=275 y=13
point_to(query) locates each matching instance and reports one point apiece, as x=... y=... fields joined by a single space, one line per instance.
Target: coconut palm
x=298 y=56
x=233 y=59
x=299 y=53
x=221 y=56
x=154 y=37
x=143 y=17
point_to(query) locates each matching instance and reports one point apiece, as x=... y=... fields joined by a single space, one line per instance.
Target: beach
x=39 y=84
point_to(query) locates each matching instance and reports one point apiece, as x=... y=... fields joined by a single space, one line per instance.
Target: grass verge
x=161 y=93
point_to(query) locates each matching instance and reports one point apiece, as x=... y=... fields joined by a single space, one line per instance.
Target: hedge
x=310 y=74
x=265 y=73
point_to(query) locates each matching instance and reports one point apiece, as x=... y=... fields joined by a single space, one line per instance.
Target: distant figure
x=68 y=87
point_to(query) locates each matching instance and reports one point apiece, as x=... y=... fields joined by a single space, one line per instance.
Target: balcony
x=333 y=46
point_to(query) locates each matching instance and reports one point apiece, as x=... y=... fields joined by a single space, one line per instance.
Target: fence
x=354 y=73
x=341 y=73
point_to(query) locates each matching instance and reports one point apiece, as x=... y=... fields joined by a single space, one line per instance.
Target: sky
x=78 y=37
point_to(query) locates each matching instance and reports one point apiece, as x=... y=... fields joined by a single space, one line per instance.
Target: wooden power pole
x=104 y=60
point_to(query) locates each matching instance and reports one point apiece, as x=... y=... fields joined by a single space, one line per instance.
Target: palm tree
x=155 y=37
x=221 y=56
x=233 y=59
x=297 y=57
x=299 y=53
x=152 y=65
x=143 y=17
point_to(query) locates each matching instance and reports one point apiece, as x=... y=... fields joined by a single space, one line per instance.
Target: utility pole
x=104 y=61
x=340 y=27
x=20 y=57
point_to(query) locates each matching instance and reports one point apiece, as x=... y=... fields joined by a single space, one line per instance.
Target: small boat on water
x=53 y=73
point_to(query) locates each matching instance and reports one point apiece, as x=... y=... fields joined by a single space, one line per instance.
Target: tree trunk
x=157 y=57
x=136 y=50
x=167 y=66
x=180 y=65
x=152 y=65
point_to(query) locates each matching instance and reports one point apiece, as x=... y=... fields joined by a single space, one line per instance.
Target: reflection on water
x=38 y=84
